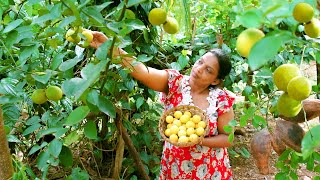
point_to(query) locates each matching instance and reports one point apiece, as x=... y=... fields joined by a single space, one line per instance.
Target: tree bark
x=119 y=158
x=6 y=168
x=132 y=150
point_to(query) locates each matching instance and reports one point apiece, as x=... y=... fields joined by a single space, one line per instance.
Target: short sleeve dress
x=196 y=162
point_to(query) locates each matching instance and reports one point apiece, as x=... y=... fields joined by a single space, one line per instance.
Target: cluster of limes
x=304 y=13
x=79 y=36
x=184 y=127
x=158 y=16
x=289 y=79
x=40 y=96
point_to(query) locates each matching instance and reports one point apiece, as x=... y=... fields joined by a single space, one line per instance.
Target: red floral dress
x=196 y=162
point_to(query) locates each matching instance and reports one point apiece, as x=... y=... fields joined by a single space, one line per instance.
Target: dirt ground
x=245 y=168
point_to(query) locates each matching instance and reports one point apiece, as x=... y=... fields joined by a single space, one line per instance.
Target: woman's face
x=205 y=70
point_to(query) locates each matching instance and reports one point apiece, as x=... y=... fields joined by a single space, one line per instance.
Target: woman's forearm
x=218 y=141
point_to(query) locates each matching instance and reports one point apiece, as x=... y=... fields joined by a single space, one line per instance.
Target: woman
x=208 y=159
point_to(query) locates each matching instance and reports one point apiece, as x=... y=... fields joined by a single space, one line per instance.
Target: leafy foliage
x=34 y=54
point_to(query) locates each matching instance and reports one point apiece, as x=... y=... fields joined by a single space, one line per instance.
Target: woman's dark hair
x=224 y=62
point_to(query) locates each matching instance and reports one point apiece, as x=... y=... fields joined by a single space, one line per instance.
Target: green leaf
x=247 y=91
x=71 y=138
x=227 y=129
x=103 y=50
x=281 y=176
x=293 y=175
x=90 y=130
x=76 y=86
x=44 y=18
x=317 y=57
x=36 y=148
x=252 y=18
x=132 y=24
x=57 y=60
x=175 y=65
x=72 y=6
x=259 y=56
x=77 y=115
x=317 y=169
x=309 y=142
x=144 y=58
x=285 y=155
x=231 y=137
x=147 y=139
x=26 y=53
x=79 y=174
x=183 y=61
x=310 y=163
x=42 y=159
x=66 y=21
x=44 y=77
x=134 y=2
x=55 y=13
x=66 y=157
x=70 y=63
x=259 y=121
x=12 y=25
x=106 y=106
x=145 y=157
x=13 y=138
x=243 y=120
x=11 y=38
x=55 y=147
x=94 y=13
x=244 y=152
x=56 y=131
x=33 y=120
x=31 y=129
x=233 y=123
x=139 y=102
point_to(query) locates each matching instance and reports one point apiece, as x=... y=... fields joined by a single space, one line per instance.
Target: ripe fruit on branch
x=129 y=14
x=288 y=106
x=312 y=28
x=72 y=36
x=283 y=74
x=303 y=12
x=171 y=26
x=311 y=110
x=299 y=88
x=247 y=39
x=54 y=93
x=88 y=35
x=157 y=16
x=39 y=96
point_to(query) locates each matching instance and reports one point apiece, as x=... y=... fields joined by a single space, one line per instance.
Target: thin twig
x=94 y=159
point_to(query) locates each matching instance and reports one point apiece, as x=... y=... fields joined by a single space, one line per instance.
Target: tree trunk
x=318 y=78
x=6 y=168
x=119 y=158
x=135 y=155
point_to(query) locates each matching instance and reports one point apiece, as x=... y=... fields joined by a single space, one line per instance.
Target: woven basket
x=194 y=111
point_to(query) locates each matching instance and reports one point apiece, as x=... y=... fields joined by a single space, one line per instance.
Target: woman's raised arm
x=153 y=78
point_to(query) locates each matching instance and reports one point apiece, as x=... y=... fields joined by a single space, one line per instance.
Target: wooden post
x=6 y=168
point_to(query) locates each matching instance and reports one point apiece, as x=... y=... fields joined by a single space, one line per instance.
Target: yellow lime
x=247 y=39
